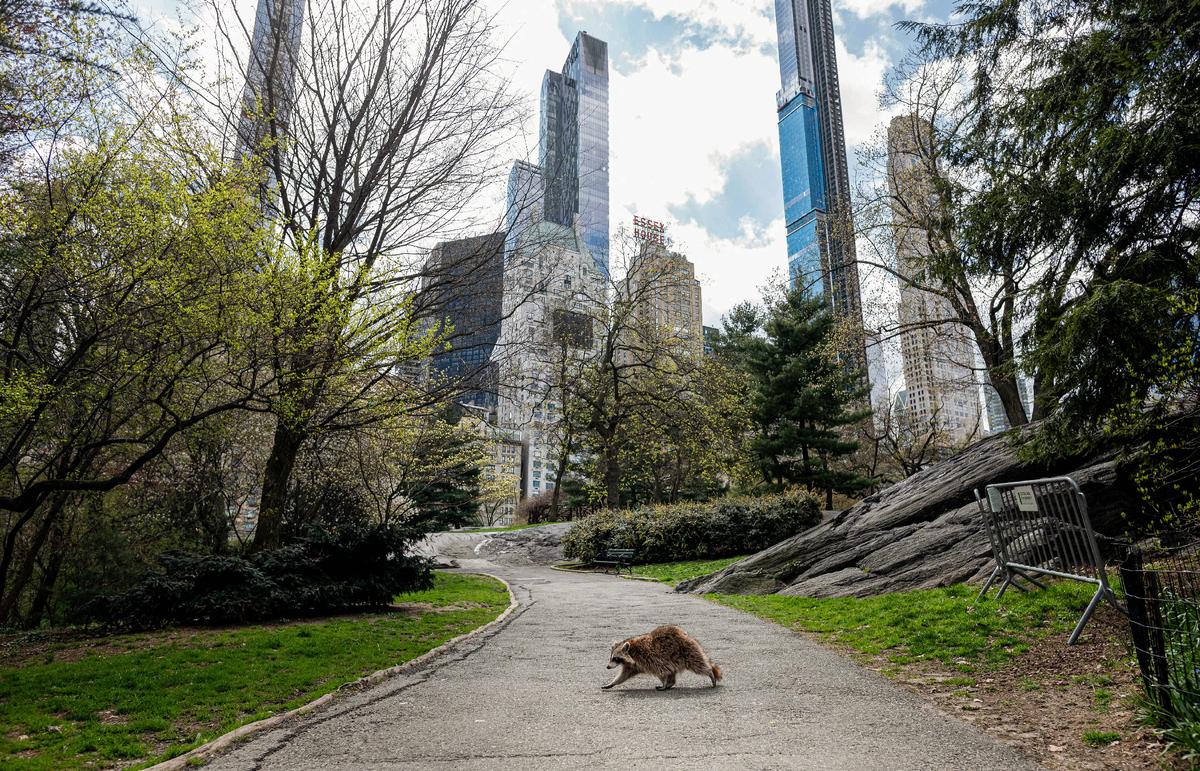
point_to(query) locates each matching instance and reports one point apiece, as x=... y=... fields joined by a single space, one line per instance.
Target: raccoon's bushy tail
x=717 y=672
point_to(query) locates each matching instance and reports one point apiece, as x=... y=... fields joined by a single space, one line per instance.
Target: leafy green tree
x=636 y=369
x=128 y=315
x=451 y=494
x=694 y=446
x=1059 y=153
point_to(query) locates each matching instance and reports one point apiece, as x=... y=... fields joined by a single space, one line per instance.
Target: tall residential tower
x=571 y=178
x=938 y=352
x=270 y=71
x=812 y=150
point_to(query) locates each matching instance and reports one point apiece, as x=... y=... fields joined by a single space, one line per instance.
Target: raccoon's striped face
x=619 y=656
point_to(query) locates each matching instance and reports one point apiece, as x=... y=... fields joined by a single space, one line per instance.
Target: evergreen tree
x=805 y=396
x=450 y=495
x=1083 y=157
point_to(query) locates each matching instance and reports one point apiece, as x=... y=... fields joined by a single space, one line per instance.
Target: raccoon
x=664 y=653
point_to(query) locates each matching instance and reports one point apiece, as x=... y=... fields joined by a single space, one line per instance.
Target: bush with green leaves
x=687 y=531
x=355 y=568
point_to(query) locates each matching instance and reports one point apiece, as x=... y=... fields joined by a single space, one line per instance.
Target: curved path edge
x=241 y=733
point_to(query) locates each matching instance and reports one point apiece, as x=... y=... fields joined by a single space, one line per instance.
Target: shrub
x=535 y=509
x=725 y=527
x=355 y=568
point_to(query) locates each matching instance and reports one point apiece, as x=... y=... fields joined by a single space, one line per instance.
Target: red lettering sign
x=645 y=229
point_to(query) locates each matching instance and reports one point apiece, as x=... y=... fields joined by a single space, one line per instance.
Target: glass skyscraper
x=572 y=172
x=270 y=69
x=463 y=291
x=812 y=149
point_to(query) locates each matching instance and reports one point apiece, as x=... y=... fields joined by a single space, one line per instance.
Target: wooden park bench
x=618 y=558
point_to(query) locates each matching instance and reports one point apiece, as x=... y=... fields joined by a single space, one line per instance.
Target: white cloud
x=864 y=9
x=749 y=20
x=732 y=270
x=860 y=78
x=673 y=121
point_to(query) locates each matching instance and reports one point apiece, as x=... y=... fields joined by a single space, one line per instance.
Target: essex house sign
x=650 y=231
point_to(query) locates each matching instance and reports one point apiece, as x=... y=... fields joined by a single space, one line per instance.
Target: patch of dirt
x=421 y=608
x=45 y=647
x=109 y=717
x=1044 y=701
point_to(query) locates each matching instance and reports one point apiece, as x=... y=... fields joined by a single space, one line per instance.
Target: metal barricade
x=1041 y=527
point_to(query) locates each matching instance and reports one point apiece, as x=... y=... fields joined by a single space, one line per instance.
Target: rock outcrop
x=923 y=532
x=531 y=546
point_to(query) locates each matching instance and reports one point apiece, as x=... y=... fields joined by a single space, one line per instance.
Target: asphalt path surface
x=527 y=696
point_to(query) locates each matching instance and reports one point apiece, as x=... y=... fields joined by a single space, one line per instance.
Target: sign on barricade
x=1041 y=527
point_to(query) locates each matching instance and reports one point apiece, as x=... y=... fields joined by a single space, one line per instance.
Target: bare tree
x=927 y=168
x=391 y=129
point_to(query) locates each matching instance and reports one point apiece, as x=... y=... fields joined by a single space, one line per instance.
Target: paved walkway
x=528 y=697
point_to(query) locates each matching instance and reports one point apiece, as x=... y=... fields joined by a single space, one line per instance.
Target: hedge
x=356 y=568
x=725 y=527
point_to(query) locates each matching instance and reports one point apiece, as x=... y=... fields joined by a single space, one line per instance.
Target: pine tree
x=805 y=396
x=450 y=494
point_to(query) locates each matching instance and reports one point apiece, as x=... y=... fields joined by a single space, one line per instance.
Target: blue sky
x=692 y=113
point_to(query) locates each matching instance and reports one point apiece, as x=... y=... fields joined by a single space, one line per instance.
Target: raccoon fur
x=663 y=653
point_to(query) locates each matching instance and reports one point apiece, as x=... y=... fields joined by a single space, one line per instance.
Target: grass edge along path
x=944 y=624
x=143 y=698
x=674 y=572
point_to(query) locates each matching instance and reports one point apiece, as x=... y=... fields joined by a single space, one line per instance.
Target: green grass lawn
x=940 y=624
x=142 y=698
x=674 y=572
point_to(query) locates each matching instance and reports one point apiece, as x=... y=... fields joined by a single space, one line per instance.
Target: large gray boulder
x=923 y=532
x=531 y=546
x=540 y=545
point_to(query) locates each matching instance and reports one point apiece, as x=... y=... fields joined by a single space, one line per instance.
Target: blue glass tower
x=812 y=150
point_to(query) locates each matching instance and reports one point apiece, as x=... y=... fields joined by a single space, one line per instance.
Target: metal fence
x=1041 y=527
x=1161 y=579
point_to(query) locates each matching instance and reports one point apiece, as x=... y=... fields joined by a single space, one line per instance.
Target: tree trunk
x=41 y=599
x=276 y=479
x=1000 y=366
x=612 y=476
x=1010 y=397
x=559 y=470
x=10 y=601
x=10 y=542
